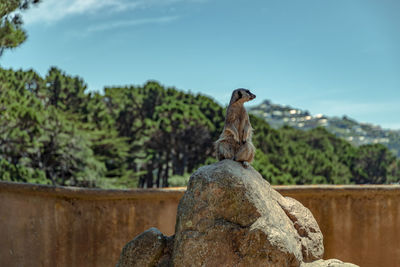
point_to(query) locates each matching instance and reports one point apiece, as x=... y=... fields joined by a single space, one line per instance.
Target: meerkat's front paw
x=245 y=164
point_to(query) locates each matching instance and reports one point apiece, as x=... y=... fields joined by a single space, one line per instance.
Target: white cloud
x=51 y=11
x=134 y=22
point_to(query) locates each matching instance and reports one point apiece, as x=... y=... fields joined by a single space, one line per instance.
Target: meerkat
x=235 y=140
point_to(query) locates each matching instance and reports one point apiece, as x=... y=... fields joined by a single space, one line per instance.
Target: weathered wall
x=360 y=224
x=47 y=226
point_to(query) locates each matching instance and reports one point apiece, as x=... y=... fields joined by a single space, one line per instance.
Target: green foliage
x=291 y=156
x=52 y=131
x=132 y=136
x=374 y=164
x=179 y=180
x=20 y=173
x=11 y=33
x=37 y=138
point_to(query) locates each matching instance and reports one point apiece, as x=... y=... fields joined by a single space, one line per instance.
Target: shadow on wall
x=54 y=226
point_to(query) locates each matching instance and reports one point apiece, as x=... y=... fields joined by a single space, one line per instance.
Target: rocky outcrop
x=230 y=216
x=233 y=216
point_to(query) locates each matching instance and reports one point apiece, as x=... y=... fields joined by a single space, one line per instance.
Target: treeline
x=53 y=131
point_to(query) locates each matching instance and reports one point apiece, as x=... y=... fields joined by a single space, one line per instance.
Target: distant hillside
x=355 y=132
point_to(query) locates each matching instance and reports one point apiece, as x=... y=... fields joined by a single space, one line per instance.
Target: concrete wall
x=47 y=226
x=360 y=224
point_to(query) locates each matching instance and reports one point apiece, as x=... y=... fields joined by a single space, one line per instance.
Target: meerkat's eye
x=248 y=91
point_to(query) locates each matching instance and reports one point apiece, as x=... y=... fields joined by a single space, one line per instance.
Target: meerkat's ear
x=240 y=95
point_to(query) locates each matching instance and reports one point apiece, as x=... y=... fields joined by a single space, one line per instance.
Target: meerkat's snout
x=250 y=95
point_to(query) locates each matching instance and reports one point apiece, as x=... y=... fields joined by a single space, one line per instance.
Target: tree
x=65 y=154
x=20 y=121
x=372 y=164
x=291 y=156
x=11 y=33
x=183 y=138
x=39 y=141
x=64 y=92
x=53 y=131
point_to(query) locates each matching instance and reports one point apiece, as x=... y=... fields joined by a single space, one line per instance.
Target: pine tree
x=11 y=32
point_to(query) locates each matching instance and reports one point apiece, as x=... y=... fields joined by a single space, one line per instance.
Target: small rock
x=150 y=248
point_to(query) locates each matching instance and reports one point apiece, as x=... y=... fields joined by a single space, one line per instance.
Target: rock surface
x=305 y=225
x=150 y=248
x=230 y=216
x=328 y=263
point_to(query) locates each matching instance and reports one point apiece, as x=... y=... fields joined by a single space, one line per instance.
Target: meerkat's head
x=241 y=95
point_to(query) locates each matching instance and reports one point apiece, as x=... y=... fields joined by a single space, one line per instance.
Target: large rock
x=230 y=216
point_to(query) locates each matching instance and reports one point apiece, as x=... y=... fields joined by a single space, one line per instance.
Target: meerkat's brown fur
x=235 y=140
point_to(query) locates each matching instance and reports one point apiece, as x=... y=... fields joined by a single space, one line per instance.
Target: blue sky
x=337 y=57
